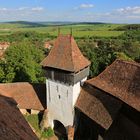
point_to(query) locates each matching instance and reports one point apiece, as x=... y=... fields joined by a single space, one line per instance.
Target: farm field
x=78 y=30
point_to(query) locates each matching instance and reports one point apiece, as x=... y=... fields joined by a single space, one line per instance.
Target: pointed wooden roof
x=65 y=55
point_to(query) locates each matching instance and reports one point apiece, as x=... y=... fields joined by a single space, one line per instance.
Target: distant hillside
x=80 y=29
x=69 y=23
x=26 y=23
x=56 y=23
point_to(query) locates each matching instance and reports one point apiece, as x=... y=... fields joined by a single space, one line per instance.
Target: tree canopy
x=21 y=63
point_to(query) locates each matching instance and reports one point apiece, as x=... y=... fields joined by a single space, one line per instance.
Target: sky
x=110 y=11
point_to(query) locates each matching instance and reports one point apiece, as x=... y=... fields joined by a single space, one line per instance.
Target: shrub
x=47 y=133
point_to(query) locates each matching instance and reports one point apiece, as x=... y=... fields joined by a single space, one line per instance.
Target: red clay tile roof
x=122 y=80
x=49 y=44
x=65 y=55
x=13 y=126
x=28 y=96
x=3 y=47
x=99 y=106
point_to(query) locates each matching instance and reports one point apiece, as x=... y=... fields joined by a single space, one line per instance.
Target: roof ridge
x=117 y=60
x=128 y=62
x=24 y=90
x=71 y=39
x=15 y=83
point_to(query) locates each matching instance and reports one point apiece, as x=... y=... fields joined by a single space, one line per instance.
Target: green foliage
x=132 y=49
x=122 y=56
x=133 y=35
x=6 y=72
x=2 y=74
x=47 y=133
x=128 y=27
x=22 y=63
x=90 y=54
x=33 y=120
x=100 y=57
x=105 y=56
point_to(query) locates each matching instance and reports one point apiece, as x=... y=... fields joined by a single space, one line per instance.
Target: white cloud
x=84 y=6
x=122 y=15
x=129 y=10
x=21 y=13
x=3 y=9
x=37 y=9
x=22 y=8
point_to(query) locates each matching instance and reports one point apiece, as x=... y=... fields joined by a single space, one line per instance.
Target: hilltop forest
x=100 y=43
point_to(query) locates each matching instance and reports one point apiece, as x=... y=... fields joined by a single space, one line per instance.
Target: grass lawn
x=79 y=30
x=33 y=120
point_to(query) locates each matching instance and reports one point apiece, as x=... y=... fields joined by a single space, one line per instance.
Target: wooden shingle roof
x=122 y=80
x=28 y=96
x=13 y=125
x=100 y=107
x=65 y=55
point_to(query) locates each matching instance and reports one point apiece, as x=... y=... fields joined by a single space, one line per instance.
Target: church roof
x=13 y=126
x=65 y=55
x=99 y=106
x=122 y=80
x=28 y=96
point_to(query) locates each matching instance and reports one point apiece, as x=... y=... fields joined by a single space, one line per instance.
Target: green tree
x=105 y=56
x=2 y=74
x=6 y=72
x=122 y=56
x=22 y=63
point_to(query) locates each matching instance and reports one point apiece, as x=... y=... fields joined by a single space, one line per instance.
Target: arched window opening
x=60 y=130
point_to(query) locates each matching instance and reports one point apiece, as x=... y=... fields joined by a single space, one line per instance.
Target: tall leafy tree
x=22 y=60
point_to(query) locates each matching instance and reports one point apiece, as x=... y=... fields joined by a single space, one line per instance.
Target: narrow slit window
x=67 y=93
x=49 y=91
x=59 y=96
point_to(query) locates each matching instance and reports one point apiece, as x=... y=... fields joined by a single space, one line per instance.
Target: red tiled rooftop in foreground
x=13 y=126
x=65 y=55
x=28 y=96
x=122 y=80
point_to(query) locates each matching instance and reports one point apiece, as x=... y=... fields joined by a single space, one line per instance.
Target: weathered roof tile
x=98 y=106
x=13 y=126
x=65 y=55
x=122 y=80
x=28 y=96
